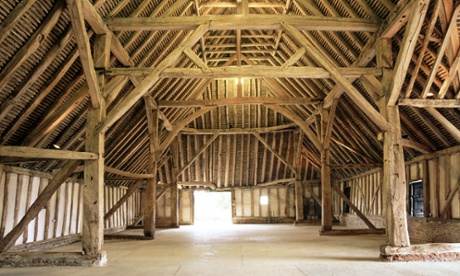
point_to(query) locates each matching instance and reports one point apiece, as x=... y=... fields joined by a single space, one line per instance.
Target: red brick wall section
x=426 y=230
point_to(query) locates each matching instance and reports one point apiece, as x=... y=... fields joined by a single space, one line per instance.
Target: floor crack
x=177 y=271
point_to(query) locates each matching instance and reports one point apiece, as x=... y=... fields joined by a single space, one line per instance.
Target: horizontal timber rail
x=231 y=131
x=247 y=22
x=257 y=71
x=31 y=152
x=239 y=101
x=436 y=103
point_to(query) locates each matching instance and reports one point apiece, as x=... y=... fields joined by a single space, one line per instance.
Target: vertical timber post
x=326 y=192
x=298 y=188
x=151 y=189
x=93 y=192
x=327 y=119
x=174 y=186
x=394 y=180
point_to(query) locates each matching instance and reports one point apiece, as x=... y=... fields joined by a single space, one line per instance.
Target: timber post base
x=349 y=232
x=437 y=252
x=34 y=259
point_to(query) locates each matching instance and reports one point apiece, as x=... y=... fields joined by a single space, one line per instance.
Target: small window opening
x=263 y=200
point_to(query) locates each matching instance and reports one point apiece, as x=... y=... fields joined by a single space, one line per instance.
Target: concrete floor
x=245 y=250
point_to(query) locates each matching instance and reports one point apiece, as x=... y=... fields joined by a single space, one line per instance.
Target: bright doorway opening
x=213 y=207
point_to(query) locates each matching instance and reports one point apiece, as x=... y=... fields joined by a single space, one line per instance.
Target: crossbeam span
x=247 y=22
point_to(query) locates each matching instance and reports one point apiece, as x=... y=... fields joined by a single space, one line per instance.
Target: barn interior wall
x=186 y=207
x=279 y=209
x=440 y=175
x=163 y=214
x=62 y=216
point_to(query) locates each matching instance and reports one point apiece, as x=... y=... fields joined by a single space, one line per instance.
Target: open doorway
x=213 y=207
x=416 y=198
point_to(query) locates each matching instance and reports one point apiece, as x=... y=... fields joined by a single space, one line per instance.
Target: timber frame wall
x=440 y=173
x=60 y=221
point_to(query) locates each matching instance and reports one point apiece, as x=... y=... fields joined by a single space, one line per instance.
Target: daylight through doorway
x=213 y=207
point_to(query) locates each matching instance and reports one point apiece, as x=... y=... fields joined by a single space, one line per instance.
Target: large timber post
x=151 y=189
x=298 y=188
x=327 y=118
x=93 y=192
x=394 y=180
x=174 y=186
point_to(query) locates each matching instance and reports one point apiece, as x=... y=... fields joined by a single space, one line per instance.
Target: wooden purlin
x=236 y=22
x=151 y=79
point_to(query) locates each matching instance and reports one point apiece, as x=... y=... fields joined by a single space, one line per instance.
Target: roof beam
x=126 y=103
x=450 y=77
x=415 y=145
x=229 y=4
x=54 y=117
x=367 y=55
x=351 y=91
x=398 y=18
x=299 y=121
x=246 y=22
x=232 y=131
x=450 y=127
x=416 y=19
x=31 y=152
x=150 y=102
x=258 y=71
x=97 y=24
x=165 y=144
x=423 y=49
x=78 y=25
x=436 y=103
x=111 y=170
x=239 y=101
x=196 y=59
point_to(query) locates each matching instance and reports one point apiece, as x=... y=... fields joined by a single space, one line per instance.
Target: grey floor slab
x=245 y=250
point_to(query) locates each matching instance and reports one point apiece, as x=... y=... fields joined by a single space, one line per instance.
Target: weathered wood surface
x=174 y=184
x=151 y=189
x=31 y=152
x=350 y=232
x=122 y=200
x=46 y=245
x=352 y=206
x=253 y=22
x=254 y=71
x=9 y=240
x=78 y=26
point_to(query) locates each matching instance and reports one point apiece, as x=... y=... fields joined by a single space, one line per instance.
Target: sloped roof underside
x=44 y=93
